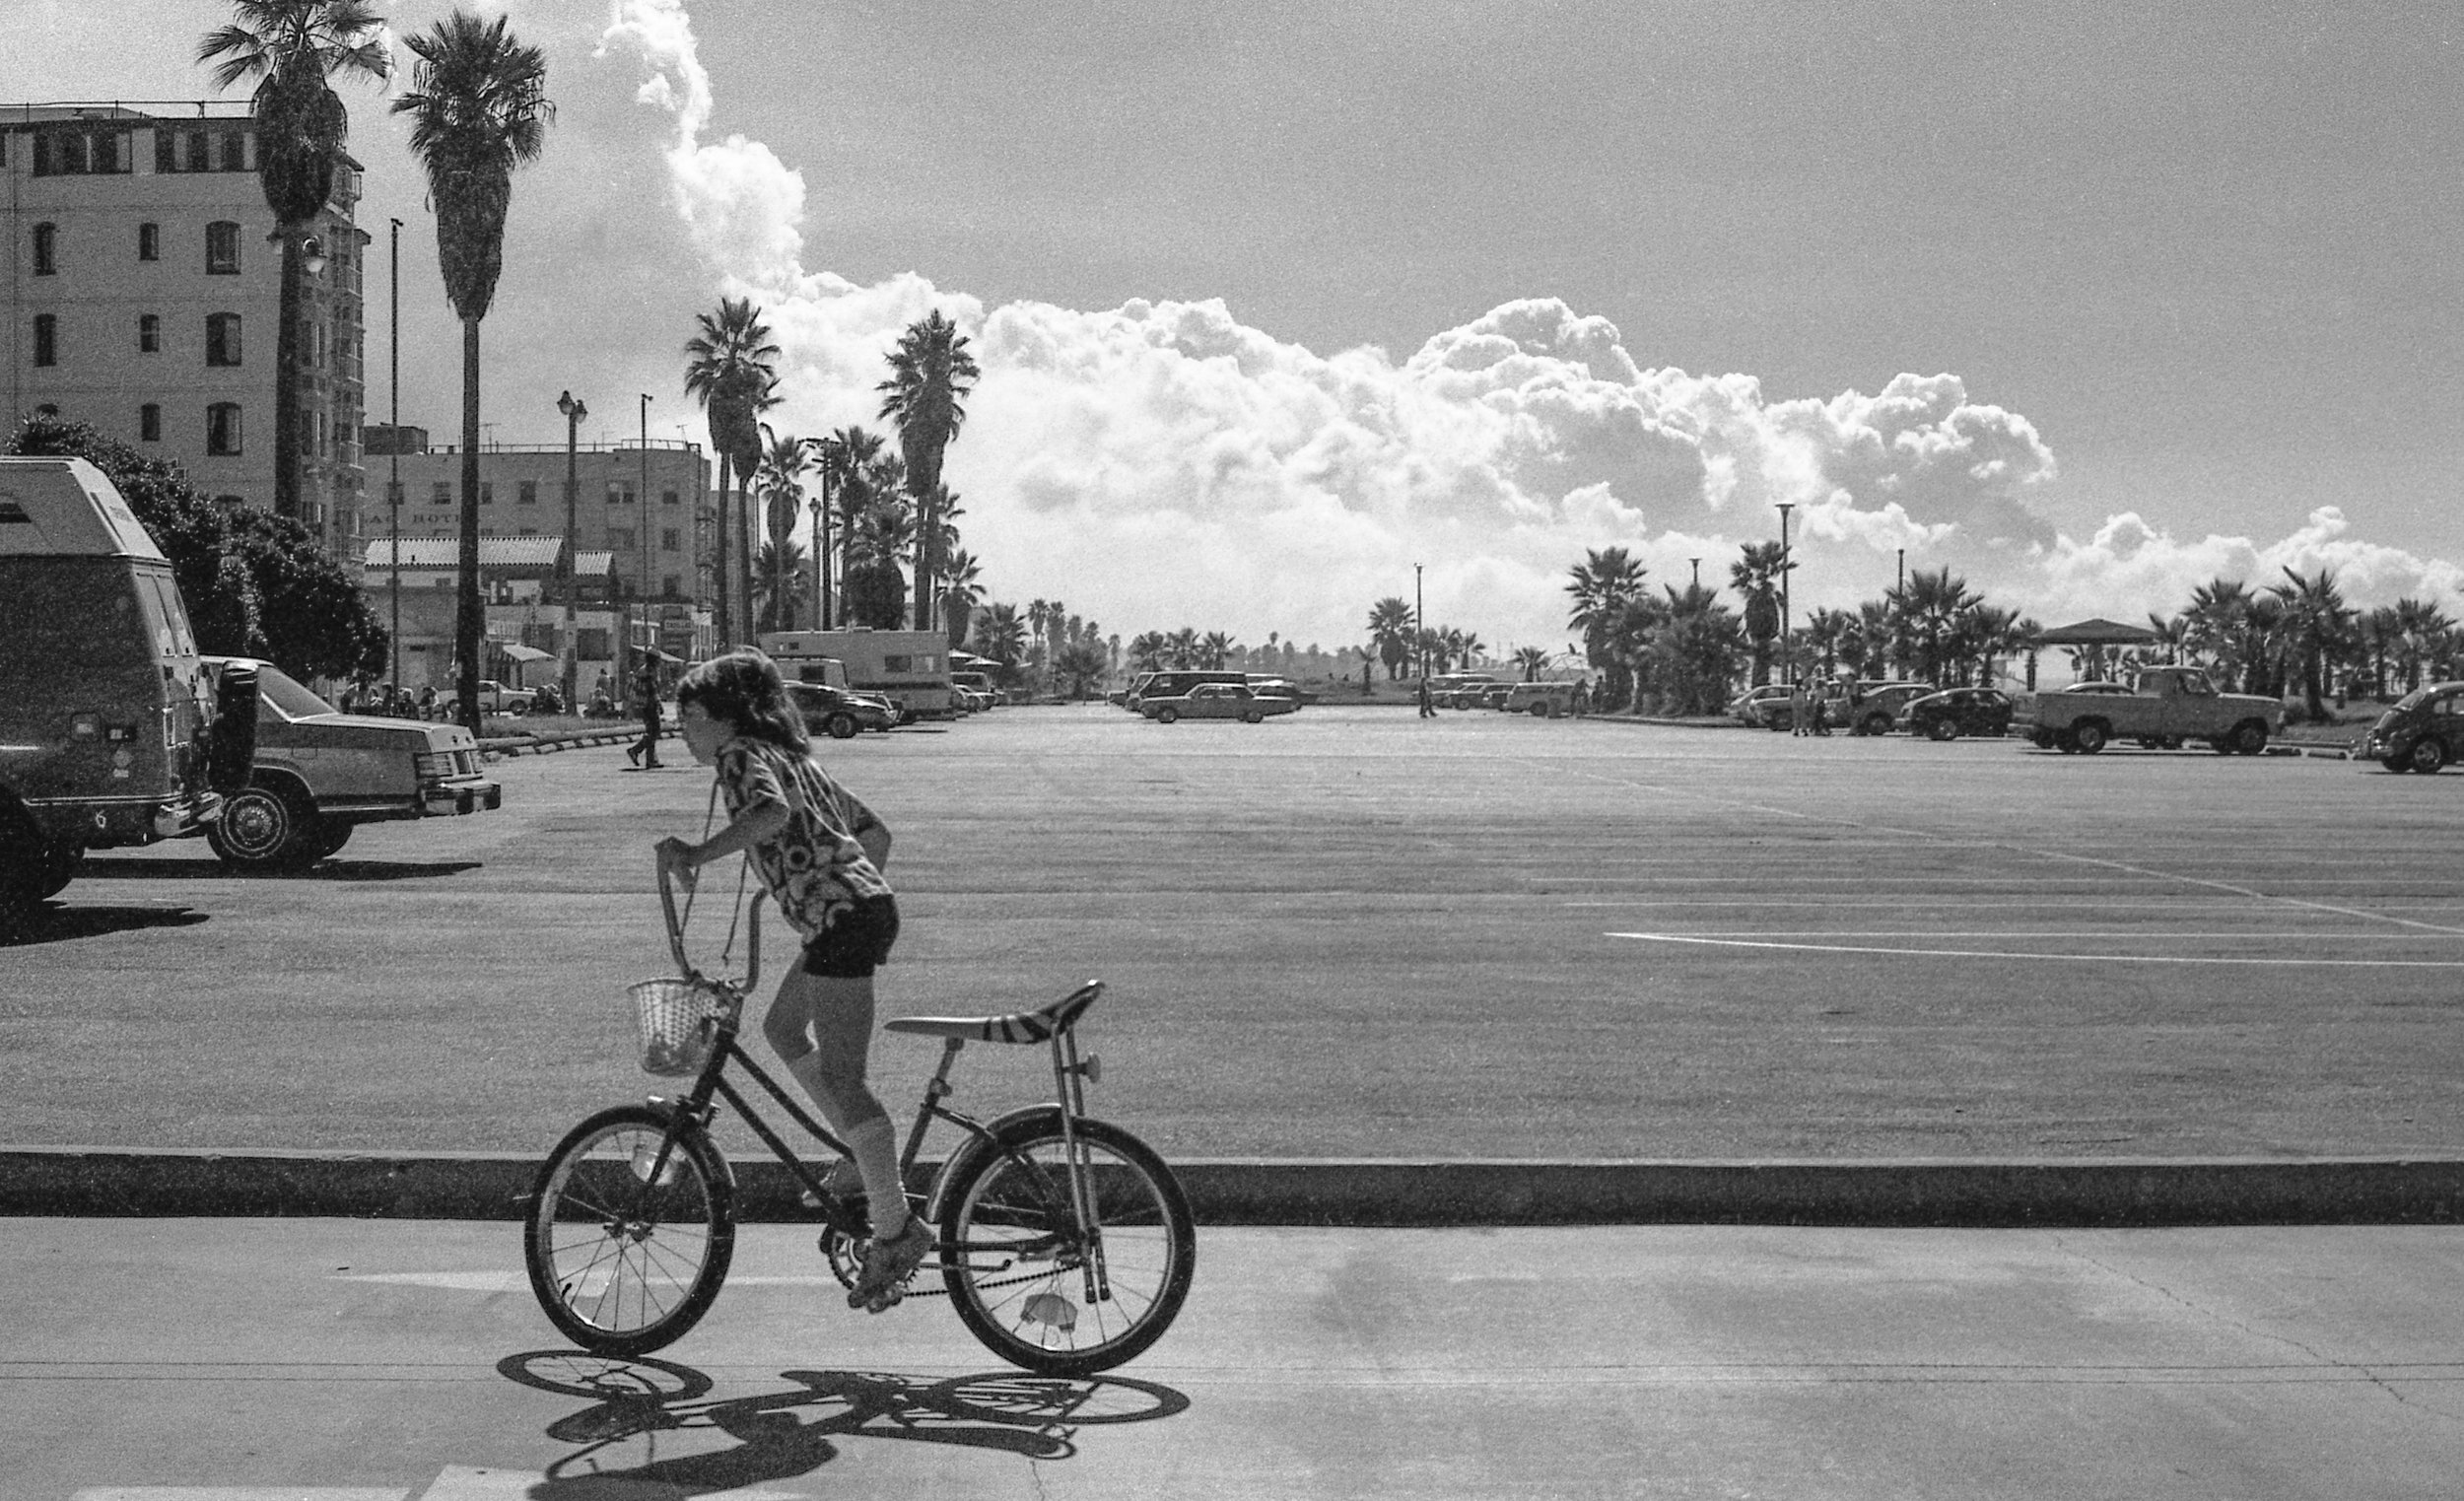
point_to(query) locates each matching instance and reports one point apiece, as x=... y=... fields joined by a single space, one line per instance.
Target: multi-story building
x=144 y=297
x=648 y=508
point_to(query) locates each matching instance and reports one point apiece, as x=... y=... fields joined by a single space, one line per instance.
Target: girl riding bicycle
x=820 y=854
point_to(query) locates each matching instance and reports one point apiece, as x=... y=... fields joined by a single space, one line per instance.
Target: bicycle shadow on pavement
x=156 y=868
x=55 y=923
x=643 y=1411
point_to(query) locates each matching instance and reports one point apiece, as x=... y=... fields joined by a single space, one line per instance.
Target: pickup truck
x=2166 y=707
x=318 y=774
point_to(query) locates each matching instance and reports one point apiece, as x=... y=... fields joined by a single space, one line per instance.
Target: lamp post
x=646 y=556
x=1420 y=632
x=393 y=483
x=574 y=412
x=1698 y=561
x=1788 y=657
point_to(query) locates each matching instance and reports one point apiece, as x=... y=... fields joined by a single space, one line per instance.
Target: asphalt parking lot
x=1352 y=932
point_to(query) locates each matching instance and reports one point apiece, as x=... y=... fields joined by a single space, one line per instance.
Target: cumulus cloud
x=1161 y=464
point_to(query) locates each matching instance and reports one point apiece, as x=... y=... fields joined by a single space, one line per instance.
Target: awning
x=969 y=660
x=2096 y=632
x=523 y=653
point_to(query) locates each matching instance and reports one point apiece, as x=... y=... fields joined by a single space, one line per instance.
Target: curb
x=503 y=745
x=87 y=1182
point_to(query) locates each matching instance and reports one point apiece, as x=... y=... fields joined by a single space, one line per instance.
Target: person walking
x=1797 y=707
x=820 y=854
x=645 y=695
x=1428 y=709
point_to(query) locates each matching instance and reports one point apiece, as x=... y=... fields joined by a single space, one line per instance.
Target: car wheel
x=2429 y=753
x=1540 y=711
x=1876 y=724
x=1166 y=715
x=331 y=836
x=1940 y=729
x=1251 y=717
x=2090 y=737
x=840 y=726
x=264 y=828
x=2249 y=737
x=2395 y=763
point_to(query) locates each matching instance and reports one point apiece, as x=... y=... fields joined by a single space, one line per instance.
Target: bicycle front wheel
x=1047 y=1290
x=626 y=1251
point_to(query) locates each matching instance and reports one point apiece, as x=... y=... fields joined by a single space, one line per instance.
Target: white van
x=111 y=729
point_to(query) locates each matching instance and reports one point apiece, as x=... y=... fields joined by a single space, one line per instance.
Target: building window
x=222 y=248
x=71 y=152
x=46 y=249
x=221 y=428
x=667 y=542
x=667 y=497
x=487 y=492
x=149 y=241
x=529 y=531
x=620 y=538
x=440 y=493
x=200 y=152
x=150 y=423
x=528 y=495
x=47 y=338
x=148 y=334
x=667 y=585
x=619 y=493
x=222 y=338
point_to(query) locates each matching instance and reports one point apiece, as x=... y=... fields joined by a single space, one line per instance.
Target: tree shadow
x=780 y=1435
x=157 y=869
x=53 y=923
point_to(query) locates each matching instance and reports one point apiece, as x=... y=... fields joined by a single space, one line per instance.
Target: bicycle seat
x=1040 y=1025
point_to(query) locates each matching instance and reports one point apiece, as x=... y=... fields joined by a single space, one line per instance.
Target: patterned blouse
x=813 y=867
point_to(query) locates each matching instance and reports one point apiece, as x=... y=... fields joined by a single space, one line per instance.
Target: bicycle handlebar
x=675 y=930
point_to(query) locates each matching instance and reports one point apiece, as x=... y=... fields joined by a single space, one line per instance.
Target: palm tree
x=1389 y=631
x=1215 y=649
x=876 y=592
x=779 y=582
x=1182 y=648
x=842 y=458
x=961 y=592
x=1003 y=636
x=1755 y=575
x=292 y=46
x=2420 y=624
x=783 y=462
x=1147 y=648
x=478 y=109
x=2317 y=625
x=1602 y=585
x=730 y=371
x=1827 y=633
x=1080 y=666
x=1934 y=604
x=930 y=372
x=1693 y=653
x=1531 y=660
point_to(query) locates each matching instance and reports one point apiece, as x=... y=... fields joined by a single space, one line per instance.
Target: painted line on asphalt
x=2244 y=936
x=1966 y=953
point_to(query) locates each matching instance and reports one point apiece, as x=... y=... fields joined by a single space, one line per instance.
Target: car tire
x=266 y=828
x=2426 y=756
x=1540 y=711
x=2395 y=764
x=840 y=726
x=2249 y=738
x=1166 y=715
x=1942 y=729
x=1877 y=724
x=331 y=836
x=2090 y=736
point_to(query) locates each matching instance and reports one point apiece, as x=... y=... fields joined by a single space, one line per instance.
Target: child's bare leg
x=822 y=1027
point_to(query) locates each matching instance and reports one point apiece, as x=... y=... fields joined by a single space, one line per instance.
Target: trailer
x=910 y=668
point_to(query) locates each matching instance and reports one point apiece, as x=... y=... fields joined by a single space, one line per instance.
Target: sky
x=2089 y=302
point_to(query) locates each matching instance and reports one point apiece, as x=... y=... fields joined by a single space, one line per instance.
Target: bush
x=256 y=584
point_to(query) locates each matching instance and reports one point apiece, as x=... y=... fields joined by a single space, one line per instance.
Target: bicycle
x=1065 y=1243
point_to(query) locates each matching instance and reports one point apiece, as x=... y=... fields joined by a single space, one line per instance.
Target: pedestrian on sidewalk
x=1429 y=710
x=1797 y=707
x=820 y=855
x=645 y=692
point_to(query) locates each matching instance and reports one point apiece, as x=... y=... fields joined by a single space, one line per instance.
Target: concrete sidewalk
x=400 y=1360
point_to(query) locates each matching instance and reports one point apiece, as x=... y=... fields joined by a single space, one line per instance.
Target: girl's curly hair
x=745 y=690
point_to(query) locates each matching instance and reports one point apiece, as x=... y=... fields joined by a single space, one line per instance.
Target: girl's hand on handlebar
x=675 y=859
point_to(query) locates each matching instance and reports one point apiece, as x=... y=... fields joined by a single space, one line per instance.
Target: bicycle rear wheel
x=626 y=1255
x=1040 y=1289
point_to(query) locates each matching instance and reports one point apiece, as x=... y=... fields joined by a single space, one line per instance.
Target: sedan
x=1959 y=712
x=1217 y=700
x=840 y=713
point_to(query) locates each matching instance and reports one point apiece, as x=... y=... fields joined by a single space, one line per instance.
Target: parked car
x=1957 y=711
x=1494 y=695
x=2166 y=706
x=1756 y=706
x=840 y=713
x=974 y=689
x=1173 y=683
x=1879 y=705
x=1457 y=690
x=113 y=731
x=320 y=773
x=1217 y=700
x=496 y=698
x=1284 y=688
x=2420 y=732
x=1547 y=701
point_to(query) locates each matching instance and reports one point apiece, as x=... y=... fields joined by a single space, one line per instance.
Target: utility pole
x=1698 y=561
x=1787 y=656
x=393 y=485
x=574 y=412
x=648 y=557
x=1420 y=632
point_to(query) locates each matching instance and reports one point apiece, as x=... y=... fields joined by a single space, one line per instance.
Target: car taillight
x=434 y=765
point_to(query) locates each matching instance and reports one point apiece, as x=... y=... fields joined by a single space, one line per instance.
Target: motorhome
x=113 y=730
x=910 y=668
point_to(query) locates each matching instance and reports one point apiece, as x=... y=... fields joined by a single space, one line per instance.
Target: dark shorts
x=858 y=943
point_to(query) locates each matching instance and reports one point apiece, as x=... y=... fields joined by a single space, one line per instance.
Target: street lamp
x=1698 y=561
x=1787 y=656
x=1420 y=632
x=574 y=412
x=393 y=483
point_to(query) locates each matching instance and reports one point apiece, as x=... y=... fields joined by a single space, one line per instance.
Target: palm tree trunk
x=924 y=526
x=823 y=563
x=726 y=580
x=744 y=549
x=470 y=618
x=287 y=380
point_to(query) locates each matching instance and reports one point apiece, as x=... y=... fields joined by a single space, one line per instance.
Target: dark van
x=111 y=729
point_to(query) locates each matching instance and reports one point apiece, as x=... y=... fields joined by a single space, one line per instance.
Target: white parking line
x=1965 y=953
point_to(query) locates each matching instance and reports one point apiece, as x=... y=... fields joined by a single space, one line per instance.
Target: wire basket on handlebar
x=676 y=1018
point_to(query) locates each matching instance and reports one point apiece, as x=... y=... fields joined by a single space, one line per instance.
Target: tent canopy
x=521 y=654
x=2096 y=632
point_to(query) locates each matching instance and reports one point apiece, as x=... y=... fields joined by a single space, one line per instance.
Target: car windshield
x=2415 y=699
x=287 y=694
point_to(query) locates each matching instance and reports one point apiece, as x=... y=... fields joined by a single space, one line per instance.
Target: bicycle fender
x=963 y=1161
